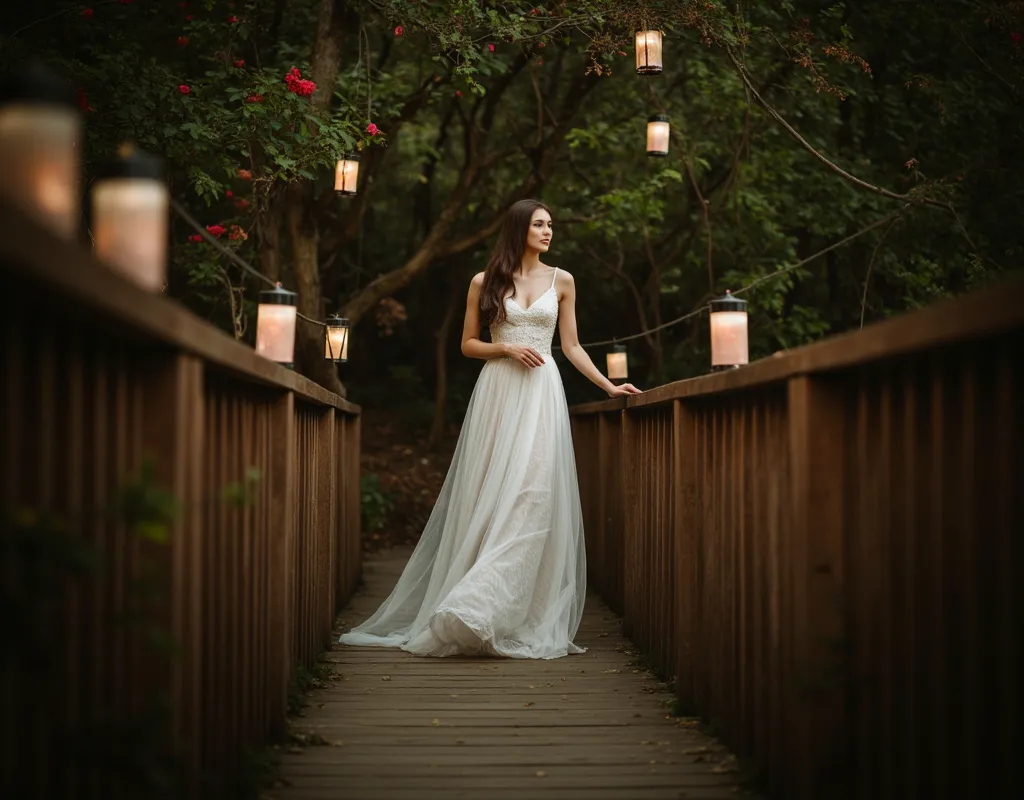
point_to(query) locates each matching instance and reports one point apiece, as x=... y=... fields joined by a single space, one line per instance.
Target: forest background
x=796 y=125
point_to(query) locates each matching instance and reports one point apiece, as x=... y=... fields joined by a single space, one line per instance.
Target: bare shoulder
x=478 y=280
x=564 y=279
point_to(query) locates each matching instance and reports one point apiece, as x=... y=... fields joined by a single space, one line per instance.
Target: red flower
x=183 y=40
x=490 y=47
x=83 y=101
x=399 y=30
x=540 y=44
x=1016 y=39
x=540 y=62
x=458 y=93
x=229 y=193
x=87 y=13
x=244 y=174
x=241 y=203
x=621 y=52
x=185 y=89
x=232 y=19
x=215 y=230
x=195 y=237
x=297 y=85
x=240 y=63
x=372 y=129
x=254 y=98
x=188 y=18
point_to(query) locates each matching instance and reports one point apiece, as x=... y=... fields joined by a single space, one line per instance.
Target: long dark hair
x=506 y=258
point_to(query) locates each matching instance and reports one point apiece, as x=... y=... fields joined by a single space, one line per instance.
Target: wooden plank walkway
x=394 y=726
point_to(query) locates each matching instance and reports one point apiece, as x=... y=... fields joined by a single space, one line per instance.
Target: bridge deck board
x=593 y=726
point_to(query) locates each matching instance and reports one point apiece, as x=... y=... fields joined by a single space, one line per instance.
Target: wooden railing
x=823 y=548
x=181 y=525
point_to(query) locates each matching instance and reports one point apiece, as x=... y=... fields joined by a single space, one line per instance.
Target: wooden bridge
x=818 y=554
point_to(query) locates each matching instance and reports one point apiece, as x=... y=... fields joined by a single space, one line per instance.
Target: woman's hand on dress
x=524 y=355
x=623 y=389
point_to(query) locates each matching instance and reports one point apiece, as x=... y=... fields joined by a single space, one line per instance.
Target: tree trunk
x=309 y=338
x=334 y=17
x=270 y=237
x=441 y=373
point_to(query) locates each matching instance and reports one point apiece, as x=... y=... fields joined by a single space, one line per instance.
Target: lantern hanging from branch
x=336 y=339
x=346 y=175
x=40 y=134
x=728 y=332
x=648 y=53
x=275 y=325
x=618 y=365
x=657 y=135
x=129 y=217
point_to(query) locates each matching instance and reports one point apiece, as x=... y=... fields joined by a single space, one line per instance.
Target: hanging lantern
x=648 y=53
x=728 y=332
x=346 y=175
x=275 y=325
x=657 y=135
x=129 y=217
x=40 y=131
x=336 y=339
x=618 y=366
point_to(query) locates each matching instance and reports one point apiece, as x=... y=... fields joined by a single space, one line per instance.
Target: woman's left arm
x=577 y=356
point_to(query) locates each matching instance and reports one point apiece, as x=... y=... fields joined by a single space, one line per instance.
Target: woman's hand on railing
x=623 y=389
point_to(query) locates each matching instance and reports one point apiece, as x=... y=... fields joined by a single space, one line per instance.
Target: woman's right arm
x=474 y=347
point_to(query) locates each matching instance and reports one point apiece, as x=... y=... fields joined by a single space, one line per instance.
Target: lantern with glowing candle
x=346 y=175
x=129 y=217
x=728 y=332
x=618 y=366
x=648 y=53
x=40 y=135
x=657 y=135
x=275 y=325
x=336 y=339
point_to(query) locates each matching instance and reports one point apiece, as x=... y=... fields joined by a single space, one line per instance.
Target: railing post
x=686 y=536
x=282 y=533
x=815 y=571
x=172 y=436
x=630 y=555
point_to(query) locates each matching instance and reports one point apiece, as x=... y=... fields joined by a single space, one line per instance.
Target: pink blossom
x=185 y=89
x=183 y=40
x=399 y=30
x=490 y=47
x=215 y=230
x=232 y=19
x=372 y=129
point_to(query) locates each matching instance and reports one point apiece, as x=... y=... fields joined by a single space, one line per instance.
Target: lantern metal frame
x=646 y=67
x=345 y=191
x=658 y=118
x=336 y=321
x=279 y=296
x=727 y=302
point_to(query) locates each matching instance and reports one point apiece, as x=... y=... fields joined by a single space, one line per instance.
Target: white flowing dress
x=500 y=568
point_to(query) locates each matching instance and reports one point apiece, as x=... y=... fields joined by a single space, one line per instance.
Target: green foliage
x=375 y=503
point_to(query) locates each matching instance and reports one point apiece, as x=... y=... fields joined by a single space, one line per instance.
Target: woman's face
x=539 y=236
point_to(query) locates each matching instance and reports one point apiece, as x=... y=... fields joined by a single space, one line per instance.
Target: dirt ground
x=410 y=475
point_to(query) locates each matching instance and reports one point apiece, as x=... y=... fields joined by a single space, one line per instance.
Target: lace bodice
x=533 y=326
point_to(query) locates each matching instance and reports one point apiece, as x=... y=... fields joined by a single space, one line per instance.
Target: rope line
x=878 y=223
x=191 y=221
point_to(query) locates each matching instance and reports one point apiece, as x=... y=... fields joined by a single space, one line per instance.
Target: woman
x=500 y=568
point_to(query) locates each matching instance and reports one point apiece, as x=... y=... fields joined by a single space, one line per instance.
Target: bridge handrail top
x=987 y=312
x=84 y=288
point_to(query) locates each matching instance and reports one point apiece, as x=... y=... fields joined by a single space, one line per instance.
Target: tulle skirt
x=500 y=568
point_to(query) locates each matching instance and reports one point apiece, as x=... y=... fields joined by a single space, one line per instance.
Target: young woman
x=500 y=568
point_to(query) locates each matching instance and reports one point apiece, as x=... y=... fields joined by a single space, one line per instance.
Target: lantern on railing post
x=40 y=134
x=728 y=332
x=130 y=204
x=336 y=339
x=346 y=175
x=648 y=53
x=618 y=365
x=657 y=135
x=275 y=325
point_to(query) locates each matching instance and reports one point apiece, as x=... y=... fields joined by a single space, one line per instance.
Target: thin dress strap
x=553 y=279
